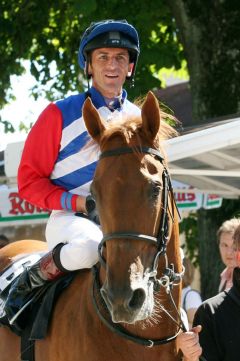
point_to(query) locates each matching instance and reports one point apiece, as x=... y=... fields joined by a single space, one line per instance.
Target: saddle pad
x=14 y=270
x=42 y=310
x=10 y=273
x=37 y=316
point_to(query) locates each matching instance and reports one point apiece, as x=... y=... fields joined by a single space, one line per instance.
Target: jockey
x=57 y=168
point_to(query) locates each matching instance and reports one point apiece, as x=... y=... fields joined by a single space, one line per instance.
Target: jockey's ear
x=151 y=115
x=94 y=123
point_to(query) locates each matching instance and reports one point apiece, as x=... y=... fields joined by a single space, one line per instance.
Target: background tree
x=48 y=32
x=210 y=34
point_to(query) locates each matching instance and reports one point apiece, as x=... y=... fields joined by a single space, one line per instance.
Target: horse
x=127 y=308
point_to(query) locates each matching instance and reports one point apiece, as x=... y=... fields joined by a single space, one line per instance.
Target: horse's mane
x=131 y=126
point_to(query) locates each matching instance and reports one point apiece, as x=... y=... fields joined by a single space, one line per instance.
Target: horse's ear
x=151 y=115
x=94 y=123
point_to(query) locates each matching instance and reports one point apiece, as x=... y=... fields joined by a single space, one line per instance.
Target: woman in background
x=191 y=298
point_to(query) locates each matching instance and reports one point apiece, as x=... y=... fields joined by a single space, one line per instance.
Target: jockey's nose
x=112 y=62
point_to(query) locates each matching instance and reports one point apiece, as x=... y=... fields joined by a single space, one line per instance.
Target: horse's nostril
x=137 y=299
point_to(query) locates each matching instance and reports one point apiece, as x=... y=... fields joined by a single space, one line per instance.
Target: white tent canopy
x=208 y=159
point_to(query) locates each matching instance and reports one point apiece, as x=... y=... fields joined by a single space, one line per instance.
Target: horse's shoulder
x=82 y=281
x=77 y=292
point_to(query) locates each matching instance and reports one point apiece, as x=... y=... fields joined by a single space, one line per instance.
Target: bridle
x=169 y=277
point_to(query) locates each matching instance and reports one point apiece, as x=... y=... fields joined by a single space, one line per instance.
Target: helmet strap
x=130 y=76
x=88 y=83
x=88 y=76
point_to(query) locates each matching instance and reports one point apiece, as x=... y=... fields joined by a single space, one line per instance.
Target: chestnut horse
x=129 y=309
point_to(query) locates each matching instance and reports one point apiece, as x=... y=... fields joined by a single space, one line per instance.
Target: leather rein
x=169 y=277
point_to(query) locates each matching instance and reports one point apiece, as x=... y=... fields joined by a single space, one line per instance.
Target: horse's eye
x=156 y=189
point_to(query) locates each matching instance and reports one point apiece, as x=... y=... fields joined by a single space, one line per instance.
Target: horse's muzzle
x=128 y=305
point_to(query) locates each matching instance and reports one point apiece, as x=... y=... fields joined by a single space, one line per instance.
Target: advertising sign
x=16 y=211
x=188 y=200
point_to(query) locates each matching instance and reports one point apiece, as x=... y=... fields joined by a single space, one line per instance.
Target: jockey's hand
x=188 y=342
x=92 y=209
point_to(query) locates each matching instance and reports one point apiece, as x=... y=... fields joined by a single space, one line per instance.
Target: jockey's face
x=109 y=68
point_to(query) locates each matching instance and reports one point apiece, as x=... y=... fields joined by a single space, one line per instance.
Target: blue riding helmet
x=109 y=34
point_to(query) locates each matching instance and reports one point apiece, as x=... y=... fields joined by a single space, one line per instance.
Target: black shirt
x=220 y=320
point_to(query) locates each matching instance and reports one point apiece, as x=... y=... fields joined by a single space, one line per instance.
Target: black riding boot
x=31 y=280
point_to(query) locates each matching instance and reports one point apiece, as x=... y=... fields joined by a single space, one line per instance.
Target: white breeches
x=81 y=236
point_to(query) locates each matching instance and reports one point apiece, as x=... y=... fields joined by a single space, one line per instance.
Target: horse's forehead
x=133 y=168
x=123 y=137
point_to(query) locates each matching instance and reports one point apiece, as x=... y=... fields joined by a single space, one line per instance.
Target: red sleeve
x=38 y=159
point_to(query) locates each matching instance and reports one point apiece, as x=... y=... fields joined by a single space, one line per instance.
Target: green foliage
x=189 y=227
x=48 y=32
x=25 y=128
x=181 y=73
x=219 y=43
x=7 y=126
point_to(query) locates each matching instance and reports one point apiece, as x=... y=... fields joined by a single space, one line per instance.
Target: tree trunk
x=209 y=260
x=210 y=34
x=190 y=36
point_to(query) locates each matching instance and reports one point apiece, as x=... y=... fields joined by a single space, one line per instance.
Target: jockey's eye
x=103 y=57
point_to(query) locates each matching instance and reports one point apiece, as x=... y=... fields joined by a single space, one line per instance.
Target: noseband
x=169 y=277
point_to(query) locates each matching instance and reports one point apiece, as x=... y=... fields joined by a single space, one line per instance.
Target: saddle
x=36 y=316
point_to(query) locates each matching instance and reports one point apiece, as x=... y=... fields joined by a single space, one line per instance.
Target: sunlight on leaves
x=165 y=73
x=7 y=126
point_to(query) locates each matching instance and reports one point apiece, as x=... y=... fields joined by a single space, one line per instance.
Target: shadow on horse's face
x=128 y=191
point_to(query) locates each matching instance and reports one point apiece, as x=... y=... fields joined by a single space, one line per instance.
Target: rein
x=169 y=277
